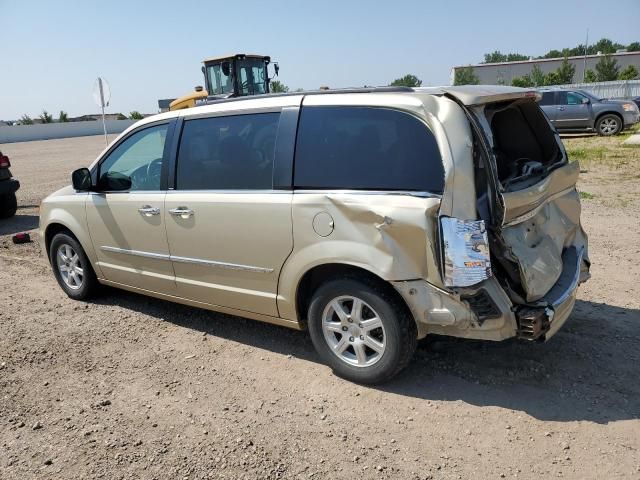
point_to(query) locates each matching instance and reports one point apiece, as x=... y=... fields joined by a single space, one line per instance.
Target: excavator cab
x=235 y=75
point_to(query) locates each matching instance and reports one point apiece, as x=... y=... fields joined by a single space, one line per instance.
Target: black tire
x=89 y=282
x=8 y=205
x=609 y=124
x=399 y=330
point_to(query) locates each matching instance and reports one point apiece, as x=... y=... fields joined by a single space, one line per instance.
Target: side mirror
x=114 y=182
x=585 y=100
x=81 y=180
x=276 y=68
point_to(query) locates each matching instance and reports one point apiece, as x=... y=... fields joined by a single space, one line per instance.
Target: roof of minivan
x=466 y=94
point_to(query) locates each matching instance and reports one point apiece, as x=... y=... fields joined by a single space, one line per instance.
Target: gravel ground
x=131 y=387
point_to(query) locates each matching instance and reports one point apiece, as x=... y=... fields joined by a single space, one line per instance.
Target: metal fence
x=615 y=89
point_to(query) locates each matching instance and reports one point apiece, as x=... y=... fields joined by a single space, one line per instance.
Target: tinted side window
x=225 y=153
x=366 y=148
x=547 y=98
x=561 y=98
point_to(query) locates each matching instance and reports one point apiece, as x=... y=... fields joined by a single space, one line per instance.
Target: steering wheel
x=154 y=171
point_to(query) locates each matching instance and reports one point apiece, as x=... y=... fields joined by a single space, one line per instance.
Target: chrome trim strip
x=136 y=253
x=532 y=213
x=229 y=266
x=197 y=261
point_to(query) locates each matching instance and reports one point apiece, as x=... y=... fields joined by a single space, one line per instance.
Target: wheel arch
x=610 y=112
x=317 y=275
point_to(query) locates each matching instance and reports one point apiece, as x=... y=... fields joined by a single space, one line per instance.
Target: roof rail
x=212 y=99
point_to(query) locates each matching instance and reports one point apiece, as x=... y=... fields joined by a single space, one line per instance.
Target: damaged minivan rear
x=528 y=210
x=370 y=217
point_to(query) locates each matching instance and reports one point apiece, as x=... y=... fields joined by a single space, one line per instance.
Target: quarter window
x=227 y=153
x=139 y=158
x=366 y=148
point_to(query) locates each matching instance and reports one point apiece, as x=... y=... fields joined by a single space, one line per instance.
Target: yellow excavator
x=235 y=75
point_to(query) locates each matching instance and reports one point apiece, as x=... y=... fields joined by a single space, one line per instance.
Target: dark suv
x=8 y=188
x=581 y=111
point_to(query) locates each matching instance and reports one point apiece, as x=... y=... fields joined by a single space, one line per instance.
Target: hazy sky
x=52 y=51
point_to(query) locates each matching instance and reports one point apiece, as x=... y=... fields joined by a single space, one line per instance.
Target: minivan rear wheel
x=361 y=331
x=609 y=125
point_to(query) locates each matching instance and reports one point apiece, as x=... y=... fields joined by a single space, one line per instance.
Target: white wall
x=45 y=131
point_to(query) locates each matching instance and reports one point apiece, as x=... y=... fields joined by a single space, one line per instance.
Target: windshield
x=219 y=80
x=252 y=76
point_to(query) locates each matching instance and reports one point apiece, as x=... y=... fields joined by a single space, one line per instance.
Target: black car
x=8 y=188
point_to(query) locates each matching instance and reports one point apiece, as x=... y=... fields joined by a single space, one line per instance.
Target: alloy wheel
x=608 y=126
x=69 y=266
x=354 y=331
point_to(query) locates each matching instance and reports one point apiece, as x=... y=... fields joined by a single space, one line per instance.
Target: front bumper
x=10 y=185
x=630 y=118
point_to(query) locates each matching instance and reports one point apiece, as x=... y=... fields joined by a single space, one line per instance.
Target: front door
x=229 y=232
x=573 y=111
x=127 y=228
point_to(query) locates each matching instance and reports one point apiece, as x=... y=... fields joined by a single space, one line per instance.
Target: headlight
x=629 y=107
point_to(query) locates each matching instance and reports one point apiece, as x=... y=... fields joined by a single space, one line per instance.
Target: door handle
x=148 y=210
x=183 y=212
x=560 y=108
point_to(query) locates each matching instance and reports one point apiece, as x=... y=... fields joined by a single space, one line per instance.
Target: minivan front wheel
x=71 y=267
x=609 y=125
x=361 y=331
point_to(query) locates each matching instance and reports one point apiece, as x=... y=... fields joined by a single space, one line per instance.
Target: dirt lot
x=132 y=387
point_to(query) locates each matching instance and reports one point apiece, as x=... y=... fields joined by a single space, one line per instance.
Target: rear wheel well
x=321 y=274
x=52 y=230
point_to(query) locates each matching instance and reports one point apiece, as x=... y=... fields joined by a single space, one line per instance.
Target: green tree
x=46 y=117
x=629 y=73
x=406 y=81
x=26 y=120
x=465 y=76
x=590 y=76
x=135 y=115
x=63 y=117
x=633 y=47
x=276 y=86
x=523 y=81
x=607 y=69
x=537 y=76
x=566 y=72
x=498 y=57
x=552 y=78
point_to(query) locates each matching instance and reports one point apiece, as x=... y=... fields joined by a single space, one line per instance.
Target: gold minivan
x=370 y=217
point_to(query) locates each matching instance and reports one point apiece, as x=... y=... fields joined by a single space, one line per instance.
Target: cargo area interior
x=524 y=144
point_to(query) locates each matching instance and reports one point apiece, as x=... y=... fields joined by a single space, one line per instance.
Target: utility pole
x=584 y=64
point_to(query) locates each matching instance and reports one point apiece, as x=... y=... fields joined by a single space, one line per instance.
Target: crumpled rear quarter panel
x=387 y=234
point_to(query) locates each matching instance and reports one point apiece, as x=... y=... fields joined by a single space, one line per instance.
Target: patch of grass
x=586 y=195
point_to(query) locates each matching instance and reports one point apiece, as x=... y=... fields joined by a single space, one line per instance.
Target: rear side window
x=227 y=153
x=366 y=148
x=547 y=98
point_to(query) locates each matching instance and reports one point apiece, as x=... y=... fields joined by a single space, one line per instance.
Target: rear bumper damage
x=486 y=312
